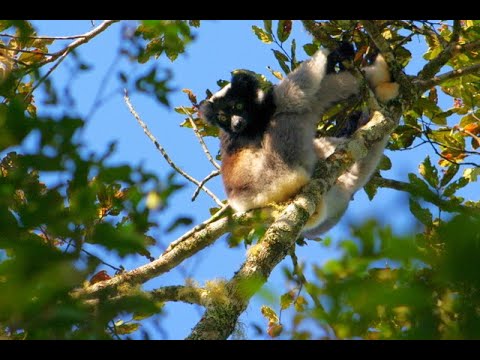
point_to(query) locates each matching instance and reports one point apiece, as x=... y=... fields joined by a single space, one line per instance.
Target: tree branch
x=175 y=293
x=434 y=65
x=68 y=37
x=183 y=249
x=165 y=155
x=81 y=39
x=429 y=196
x=186 y=294
x=220 y=318
x=62 y=54
x=203 y=182
x=437 y=80
x=202 y=143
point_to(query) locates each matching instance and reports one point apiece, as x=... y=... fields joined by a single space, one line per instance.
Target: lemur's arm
x=296 y=91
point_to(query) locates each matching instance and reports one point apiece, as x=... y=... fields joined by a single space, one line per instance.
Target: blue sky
x=220 y=47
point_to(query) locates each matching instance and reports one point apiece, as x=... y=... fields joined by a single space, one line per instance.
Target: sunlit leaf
x=284 y=29
x=127 y=328
x=429 y=172
x=262 y=35
x=269 y=314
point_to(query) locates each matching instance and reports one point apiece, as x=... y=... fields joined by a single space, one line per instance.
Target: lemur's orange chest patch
x=239 y=167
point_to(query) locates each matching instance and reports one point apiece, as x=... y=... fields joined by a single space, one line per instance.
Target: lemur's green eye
x=222 y=117
x=239 y=106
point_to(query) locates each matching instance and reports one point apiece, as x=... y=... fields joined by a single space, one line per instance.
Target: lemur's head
x=237 y=107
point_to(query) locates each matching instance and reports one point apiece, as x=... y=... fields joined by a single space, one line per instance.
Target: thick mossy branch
x=174 y=293
x=220 y=319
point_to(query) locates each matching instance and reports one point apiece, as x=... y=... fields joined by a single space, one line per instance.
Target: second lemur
x=268 y=144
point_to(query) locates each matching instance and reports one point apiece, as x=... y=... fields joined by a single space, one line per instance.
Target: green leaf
x=184 y=110
x=262 y=35
x=125 y=329
x=284 y=29
x=282 y=58
x=5 y=24
x=286 y=300
x=449 y=174
x=277 y=74
x=194 y=23
x=122 y=239
x=404 y=136
x=293 y=55
x=371 y=190
x=385 y=163
x=434 y=48
x=310 y=49
x=420 y=186
x=300 y=303
x=468 y=119
x=267 y=24
x=471 y=174
x=332 y=267
x=269 y=314
x=429 y=172
x=457 y=185
x=350 y=247
x=423 y=215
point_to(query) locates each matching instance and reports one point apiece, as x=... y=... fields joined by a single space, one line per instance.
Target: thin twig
x=303 y=281
x=304 y=285
x=432 y=144
x=164 y=153
x=199 y=187
x=98 y=100
x=202 y=143
x=61 y=55
x=44 y=77
x=79 y=41
x=71 y=37
x=197 y=228
x=36 y=52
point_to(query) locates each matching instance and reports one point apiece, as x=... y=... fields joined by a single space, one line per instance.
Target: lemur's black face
x=234 y=108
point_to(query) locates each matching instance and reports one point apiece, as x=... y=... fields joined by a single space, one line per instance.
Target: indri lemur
x=268 y=144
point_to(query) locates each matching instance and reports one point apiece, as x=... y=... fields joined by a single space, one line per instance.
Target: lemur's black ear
x=205 y=111
x=244 y=81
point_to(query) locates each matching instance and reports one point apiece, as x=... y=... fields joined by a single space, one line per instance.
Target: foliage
x=424 y=285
